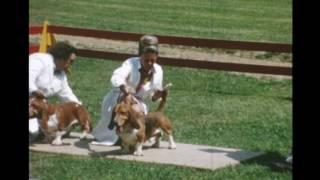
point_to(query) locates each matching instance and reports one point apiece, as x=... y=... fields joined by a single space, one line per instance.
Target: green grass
x=206 y=107
x=245 y=20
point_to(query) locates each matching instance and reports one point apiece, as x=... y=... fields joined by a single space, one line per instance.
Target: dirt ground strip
x=184 y=52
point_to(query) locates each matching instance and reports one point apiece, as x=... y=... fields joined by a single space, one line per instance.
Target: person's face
x=65 y=64
x=148 y=59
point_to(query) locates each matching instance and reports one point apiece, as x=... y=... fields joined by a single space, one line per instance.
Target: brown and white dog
x=157 y=121
x=56 y=120
x=134 y=128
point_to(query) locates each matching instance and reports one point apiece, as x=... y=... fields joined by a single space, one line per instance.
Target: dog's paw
x=45 y=140
x=86 y=136
x=156 y=145
x=57 y=142
x=124 y=151
x=138 y=153
x=67 y=135
x=172 y=146
x=83 y=137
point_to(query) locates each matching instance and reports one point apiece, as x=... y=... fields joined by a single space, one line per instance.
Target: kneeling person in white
x=143 y=75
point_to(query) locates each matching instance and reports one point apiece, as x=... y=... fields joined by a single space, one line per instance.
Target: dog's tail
x=163 y=98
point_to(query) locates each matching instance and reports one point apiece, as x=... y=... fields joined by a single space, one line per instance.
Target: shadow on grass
x=238 y=155
x=286 y=98
x=273 y=160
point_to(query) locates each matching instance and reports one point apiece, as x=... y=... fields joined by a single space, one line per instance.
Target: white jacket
x=42 y=77
x=129 y=74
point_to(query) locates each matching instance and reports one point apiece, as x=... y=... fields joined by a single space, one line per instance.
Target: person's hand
x=124 y=89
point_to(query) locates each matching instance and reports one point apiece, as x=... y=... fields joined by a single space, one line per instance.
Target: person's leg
x=101 y=132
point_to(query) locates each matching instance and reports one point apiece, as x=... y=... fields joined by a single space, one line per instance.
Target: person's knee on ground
x=34 y=129
x=35 y=133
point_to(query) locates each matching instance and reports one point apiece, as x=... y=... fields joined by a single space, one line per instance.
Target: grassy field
x=206 y=107
x=245 y=20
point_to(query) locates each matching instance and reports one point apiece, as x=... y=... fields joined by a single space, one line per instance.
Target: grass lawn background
x=206 y=107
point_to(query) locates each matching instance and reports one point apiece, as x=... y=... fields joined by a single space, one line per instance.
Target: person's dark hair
x=61 y=50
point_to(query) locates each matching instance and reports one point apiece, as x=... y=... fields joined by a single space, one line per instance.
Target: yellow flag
x=47 y=39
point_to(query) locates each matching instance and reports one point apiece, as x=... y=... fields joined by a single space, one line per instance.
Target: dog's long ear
x=133 y=118
x=38 y=95
x=41 y=96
